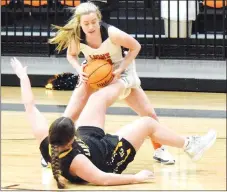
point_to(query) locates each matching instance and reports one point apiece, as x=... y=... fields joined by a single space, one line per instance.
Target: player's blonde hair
x=71 y=31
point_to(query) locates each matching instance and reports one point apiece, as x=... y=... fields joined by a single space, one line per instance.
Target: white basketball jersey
x=108 y=51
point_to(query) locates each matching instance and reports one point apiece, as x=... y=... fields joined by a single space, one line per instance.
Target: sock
x=156 y=145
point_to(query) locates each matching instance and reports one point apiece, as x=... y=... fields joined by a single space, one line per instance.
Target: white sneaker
x=199 y=144
x=43 y=162
x=163 y=156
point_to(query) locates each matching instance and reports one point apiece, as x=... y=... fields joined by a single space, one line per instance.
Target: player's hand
x=117 y=73
x=144 y=175
x=83 y=76
x=18 y=69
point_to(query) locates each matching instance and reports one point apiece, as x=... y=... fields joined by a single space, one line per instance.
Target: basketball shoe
x=163 y=156
x=197 y=145
x=43 y=162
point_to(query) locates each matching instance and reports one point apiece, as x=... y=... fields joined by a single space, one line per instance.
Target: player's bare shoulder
x=115 y=33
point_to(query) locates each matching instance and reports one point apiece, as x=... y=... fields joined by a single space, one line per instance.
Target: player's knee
x=99 y=96
x=146 y=124
x=147 y=120
x=81 y=100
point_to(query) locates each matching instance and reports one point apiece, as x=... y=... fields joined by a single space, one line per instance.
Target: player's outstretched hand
x=18 y=69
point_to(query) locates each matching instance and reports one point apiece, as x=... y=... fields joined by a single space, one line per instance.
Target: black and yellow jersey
x=105 y=151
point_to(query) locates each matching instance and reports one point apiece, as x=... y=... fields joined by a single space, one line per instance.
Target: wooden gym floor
x=186 y=113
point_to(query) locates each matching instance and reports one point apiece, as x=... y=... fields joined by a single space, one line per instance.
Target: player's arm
x=37 y=120
x=82 y=167
x=72 y=55
x=123 y=39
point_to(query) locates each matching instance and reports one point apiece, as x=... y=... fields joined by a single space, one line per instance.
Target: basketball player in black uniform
x=88 y=154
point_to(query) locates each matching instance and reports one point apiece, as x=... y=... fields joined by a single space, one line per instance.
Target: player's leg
x=138 y=101
x=77 y=101
x=143 y=107
x=137 y=131
x=94 y=112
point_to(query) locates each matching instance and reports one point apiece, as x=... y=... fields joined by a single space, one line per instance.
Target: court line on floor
x=163 y=112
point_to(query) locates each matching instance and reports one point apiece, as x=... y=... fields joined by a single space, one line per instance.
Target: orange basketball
x=99 y=73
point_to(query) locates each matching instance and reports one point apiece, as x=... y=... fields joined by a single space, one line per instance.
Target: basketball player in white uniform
x=85 y=33
x=115 y=55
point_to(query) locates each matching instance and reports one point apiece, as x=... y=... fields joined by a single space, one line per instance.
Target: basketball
x=99 y=73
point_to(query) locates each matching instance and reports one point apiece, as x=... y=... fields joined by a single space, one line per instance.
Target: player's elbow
x=101 y=183
x=69 y=56
x=138 y=47
x=29 y=106
x=102 y=180
x=106 y=182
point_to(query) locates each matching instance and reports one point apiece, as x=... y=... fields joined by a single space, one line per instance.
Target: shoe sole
x=163 y=161
x=200 y=153
x=43 y=163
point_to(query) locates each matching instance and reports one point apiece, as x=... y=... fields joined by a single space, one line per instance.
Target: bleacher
x=26 y=26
